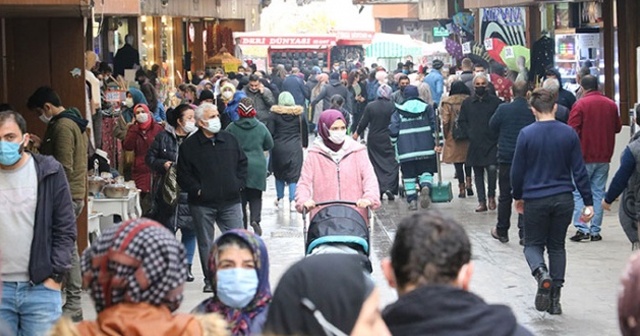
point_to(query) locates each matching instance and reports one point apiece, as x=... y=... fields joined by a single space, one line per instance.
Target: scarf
x=145 y=126
x=138 y=261
x=240 y=319
x=327 y=118
x=384 y=91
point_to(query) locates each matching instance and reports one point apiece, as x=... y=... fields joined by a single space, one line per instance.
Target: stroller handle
x=305 y=211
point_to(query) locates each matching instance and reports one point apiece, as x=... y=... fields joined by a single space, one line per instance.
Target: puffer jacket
x=165 y=148
x=350 y=179
x=413 y=130
x=139 y=142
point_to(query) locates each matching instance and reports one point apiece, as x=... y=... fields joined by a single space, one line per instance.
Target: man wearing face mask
x=66 y=140
x=262 y=97
x=37 y=231
x=212 y=169
x=398 y=96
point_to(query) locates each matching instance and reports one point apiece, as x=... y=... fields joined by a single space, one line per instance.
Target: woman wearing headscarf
x=377 y=117
x=239 y=265
x=288 y=127
x=126 y=119
x=322 y=79
x=255 y=139
x=155 y=104
x=162 y=155
x=337 y=168
x=140 y=136
x=227 y=91
x=135 y=274
x=333 y=285
x=455 y=151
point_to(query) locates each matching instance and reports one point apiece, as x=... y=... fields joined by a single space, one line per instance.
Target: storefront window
x=147 y=47
x=168 y=63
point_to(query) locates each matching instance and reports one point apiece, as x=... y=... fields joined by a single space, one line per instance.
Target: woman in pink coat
x=337 y=168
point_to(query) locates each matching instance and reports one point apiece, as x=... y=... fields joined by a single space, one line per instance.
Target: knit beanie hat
x=411 y=91
x=245 y=108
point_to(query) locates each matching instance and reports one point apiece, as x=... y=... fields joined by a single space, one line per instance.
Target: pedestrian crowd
x=205 y=161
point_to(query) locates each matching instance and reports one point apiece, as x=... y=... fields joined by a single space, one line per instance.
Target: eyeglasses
x=329 y=329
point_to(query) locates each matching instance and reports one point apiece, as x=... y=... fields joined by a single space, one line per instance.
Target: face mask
x=406 y=72
x=481 y=90
x=10 y=153
x=142 y=118
x=214 y=125
x=227 y=95
x=189 y=126
x=236 y=287
x=253 y=90
x=44 y=118
x=337 y=137
x=128 y=102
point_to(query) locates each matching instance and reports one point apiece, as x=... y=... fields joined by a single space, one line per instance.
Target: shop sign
x=589 y=41
x=466 y=48
x=508 y=15
x=506 y=23
x=115 y=96
x=440 y=32
x=288 y=40
x=355 y=35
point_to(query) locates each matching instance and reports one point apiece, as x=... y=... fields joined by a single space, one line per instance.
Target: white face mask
x=44 y=118
x=128 y=102
x=337 y=137
x=214 y=125
x=189 y=126
x=227 y=95
x=142 y=118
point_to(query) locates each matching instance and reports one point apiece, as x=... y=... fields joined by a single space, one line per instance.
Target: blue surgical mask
x=10 y=153
x=236 y=287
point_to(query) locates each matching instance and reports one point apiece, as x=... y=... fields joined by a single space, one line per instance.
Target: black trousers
x=254 y=198
x=462 y=171
x=504 y=202
x=492 y=176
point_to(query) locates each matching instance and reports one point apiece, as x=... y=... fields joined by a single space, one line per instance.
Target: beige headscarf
x=90 y=59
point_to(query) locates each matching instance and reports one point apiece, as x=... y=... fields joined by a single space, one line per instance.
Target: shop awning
x=394 y=46
x=292 y=41
x=346 y=38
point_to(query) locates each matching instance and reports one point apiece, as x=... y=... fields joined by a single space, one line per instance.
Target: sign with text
x=287 y=40
x=440 y=32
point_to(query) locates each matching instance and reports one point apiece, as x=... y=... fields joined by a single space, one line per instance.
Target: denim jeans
x=504 y=202
x=492 y=176
x=280 y=190
x=598 y=174
x=546 y=221
x=227 y=218
x=30 y=310
x=189 y=241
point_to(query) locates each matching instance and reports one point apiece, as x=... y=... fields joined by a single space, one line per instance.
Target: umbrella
x=494 y=47
x=511 y=54
x=453 y=48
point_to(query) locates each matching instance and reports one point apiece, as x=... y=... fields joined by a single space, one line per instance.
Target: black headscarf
x=335 y=283
x=459 y=87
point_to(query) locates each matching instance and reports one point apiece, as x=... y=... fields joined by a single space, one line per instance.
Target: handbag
x=170 y=189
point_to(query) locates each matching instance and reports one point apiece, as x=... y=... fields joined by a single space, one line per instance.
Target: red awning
x=309 y=41
x=346 y=37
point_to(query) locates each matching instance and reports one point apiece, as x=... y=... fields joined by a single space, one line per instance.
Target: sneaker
x=278 y=203
x=425 y=197
x=256 y=228
x=495 y=235
x=292 y=206
x=580 y=236
x=413 y=205
x=596 y=237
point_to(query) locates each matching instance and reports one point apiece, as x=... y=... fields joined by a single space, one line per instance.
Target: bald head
x=520 y=89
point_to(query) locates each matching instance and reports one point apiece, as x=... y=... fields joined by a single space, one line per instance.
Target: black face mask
x=402 y=88
x=481 y=90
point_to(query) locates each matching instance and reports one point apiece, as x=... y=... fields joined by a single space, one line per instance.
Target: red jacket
x=595 y=118
x=139 y=141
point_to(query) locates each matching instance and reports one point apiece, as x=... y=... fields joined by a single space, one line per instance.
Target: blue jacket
x=507 y=122
x=436 y=84
x=54 y=230
x=412 y=130
x=232 y=106
x=295 y=86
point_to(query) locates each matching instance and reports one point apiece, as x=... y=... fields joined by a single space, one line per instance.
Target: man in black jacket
x=212 y=169
x=334 y=87
x=507 y=122
x=37 y=231
x=431 y=269
x=565 y=97
x=127 y=57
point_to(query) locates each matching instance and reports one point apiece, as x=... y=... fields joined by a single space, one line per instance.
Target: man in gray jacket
x=262 y=97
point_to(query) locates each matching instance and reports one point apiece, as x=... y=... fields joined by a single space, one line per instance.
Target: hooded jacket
x=334 y=87
x=289 y=130
x=565 y=97
x=445 y=310
x=231 y=110
x=412 y=130
x=66 y=140
x=254 y=139
x=295 y=86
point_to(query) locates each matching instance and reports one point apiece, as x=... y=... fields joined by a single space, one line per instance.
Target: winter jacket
x=288 y=127
x=507 y=122
x=125 y=58
x=595 y=118
x=446 y=310
x=311 y=83
x=143 y=319
x=165 y=148
x=351 y=179
x=565 y=97
x=413 y=130
x=212 y=170
x=467 y=78
x=436 y=84
x=139 y=141
x=454 y=151
x=126 y=117
x=562 y=114
x=475 y=114
x=254 y=139
x=262 y=102
x=66 y=140
x=229 y=112
x=334 y=87
x=54 y=230
x=295 y=86
x=255 y=325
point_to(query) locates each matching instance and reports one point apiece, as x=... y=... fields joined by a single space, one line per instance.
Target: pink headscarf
x=327 y=118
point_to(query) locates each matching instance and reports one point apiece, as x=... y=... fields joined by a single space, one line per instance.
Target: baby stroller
x=338 y=228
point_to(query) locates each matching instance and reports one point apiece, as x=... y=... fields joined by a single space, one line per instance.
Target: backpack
x=458 y=132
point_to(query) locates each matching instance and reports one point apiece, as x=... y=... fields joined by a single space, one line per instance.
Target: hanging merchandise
x=494 y=47
x=511 y=55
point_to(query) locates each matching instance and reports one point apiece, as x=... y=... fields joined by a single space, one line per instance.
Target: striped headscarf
x=137 y=261
x=384 y=91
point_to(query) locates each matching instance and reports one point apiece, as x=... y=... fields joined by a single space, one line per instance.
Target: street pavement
x=501 y=273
